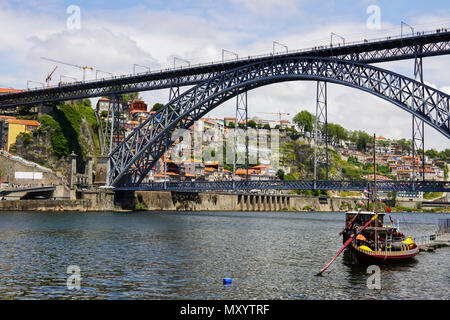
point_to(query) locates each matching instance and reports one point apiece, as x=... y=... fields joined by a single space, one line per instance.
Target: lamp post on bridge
x=280 y=44
x=106 y=72
x=336 y=35
x=407 y=25
x=139 y=65
x=32 y=81
x=180 y=59
x=64 y=76
x=230 y=52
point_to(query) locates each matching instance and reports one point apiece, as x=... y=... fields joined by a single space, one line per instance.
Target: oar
x=346 y=244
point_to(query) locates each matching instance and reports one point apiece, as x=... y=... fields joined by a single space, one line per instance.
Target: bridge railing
x=350 y=185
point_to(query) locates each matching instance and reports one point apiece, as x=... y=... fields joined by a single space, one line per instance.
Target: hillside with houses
x=214 y=149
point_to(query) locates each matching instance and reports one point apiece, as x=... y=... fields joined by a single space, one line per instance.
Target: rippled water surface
x=150 y=255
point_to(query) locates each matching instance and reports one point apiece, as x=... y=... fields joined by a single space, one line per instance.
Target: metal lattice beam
x=434 y=44
x=145 y=145
x=356 y=185
x=321 y=130
x=241 y=117
x=418 y=126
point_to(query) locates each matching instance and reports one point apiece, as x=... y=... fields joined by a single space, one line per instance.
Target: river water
x=151 y=255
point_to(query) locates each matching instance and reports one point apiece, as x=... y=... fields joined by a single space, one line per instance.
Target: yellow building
x=12 y=127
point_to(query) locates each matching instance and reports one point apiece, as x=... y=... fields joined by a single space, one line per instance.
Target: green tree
x=332 y=132
x=280 y=174
x=432 y=153
x=251 y=124
x=231 y=125
x=125 y=97
x=405 y=145
x=341 y=134
x=157 y=106
x=60 y=145
x=362 y=140
x=445 y=154
x=304 y=121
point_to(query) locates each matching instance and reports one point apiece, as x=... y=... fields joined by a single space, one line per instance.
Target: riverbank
x=87 y=201
x=178 y=201
x=182 y=201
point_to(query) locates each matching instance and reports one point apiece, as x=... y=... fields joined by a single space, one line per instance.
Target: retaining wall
x=171 y=201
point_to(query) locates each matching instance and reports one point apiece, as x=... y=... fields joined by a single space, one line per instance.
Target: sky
x=112 y=36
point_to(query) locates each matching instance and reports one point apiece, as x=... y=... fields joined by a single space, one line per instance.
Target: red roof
x=9 y=90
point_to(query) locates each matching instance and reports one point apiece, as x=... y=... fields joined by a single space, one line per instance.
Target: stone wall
x=46 y=205
x=177 y=201
x=10 y=164
x=91 y=201
x=100 y=200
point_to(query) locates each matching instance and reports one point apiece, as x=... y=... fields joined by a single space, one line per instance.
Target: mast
x=375 y=191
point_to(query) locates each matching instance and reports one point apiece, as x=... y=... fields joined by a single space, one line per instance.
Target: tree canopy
x=304 y=120
x=157 y=106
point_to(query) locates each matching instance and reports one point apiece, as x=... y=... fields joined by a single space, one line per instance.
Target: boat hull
x=369 y=258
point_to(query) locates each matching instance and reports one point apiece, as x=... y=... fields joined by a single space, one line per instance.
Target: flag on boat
x=388 y=210
x=366 y=191
x=390 y=218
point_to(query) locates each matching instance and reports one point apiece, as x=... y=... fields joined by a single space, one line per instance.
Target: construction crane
x=72 y=65
x=49 y=77
x=279 y=113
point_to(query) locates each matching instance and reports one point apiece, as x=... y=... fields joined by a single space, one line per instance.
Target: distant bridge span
x=131 y=161
x=243 y=185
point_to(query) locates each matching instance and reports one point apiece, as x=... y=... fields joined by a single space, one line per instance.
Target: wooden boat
x=369 y=242
x=391 y=245
x=375 y=243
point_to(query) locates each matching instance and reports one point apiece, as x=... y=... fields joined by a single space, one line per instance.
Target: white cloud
x=115 y=40
x=270 y=7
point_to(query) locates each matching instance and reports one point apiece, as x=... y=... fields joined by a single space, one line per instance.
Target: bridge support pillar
x=112 y=130
x=321 y=130
x=241 y=116
x=418 y=126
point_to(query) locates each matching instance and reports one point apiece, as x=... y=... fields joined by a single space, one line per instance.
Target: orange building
x=11 y=127
x=138 y=106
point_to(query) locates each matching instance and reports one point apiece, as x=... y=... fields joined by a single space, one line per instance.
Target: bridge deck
x=199 y=186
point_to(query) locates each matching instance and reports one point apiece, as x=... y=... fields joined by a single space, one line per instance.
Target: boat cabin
x=362 y=218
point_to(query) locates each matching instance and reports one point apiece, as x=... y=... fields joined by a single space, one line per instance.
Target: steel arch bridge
x=132 y=160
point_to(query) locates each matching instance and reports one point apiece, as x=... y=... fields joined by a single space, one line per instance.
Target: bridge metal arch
x=143 y=147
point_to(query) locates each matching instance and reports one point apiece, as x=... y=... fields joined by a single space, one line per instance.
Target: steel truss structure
x=321 y=130
x=243 y=185
x=241 y=117
x=110 y=137
x=134 y=158
x=418 y=126
x=433 y=44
